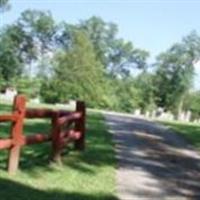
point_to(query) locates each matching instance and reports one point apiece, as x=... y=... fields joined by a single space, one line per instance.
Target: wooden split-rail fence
x=66 y=126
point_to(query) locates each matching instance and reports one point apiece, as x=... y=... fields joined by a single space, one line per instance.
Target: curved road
x=153 y=162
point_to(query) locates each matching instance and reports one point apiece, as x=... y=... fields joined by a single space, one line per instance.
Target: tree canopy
x=4 y=5
x=89 y=61
x=118 y=56
x=77 y=73
x=175 y=71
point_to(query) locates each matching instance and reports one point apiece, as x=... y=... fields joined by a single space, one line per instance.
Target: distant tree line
x=88 y=61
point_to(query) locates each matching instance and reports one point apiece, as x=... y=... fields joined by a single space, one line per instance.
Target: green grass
x=190 y=131
x=83 y=175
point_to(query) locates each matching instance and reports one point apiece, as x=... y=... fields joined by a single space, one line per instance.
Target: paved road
x=153 y=162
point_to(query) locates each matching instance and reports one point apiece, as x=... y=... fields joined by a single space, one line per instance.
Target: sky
x=153 y=25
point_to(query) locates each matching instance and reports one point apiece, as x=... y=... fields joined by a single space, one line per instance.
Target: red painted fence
x=65 y=127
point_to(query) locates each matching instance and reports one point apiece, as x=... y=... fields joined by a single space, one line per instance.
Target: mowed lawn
x=190 y=131
x=83 y=175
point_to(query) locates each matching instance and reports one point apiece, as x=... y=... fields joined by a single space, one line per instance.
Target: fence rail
x=66 y=126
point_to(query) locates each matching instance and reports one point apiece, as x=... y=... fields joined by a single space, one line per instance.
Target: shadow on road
x=157 y=162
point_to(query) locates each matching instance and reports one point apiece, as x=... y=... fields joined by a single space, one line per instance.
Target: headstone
x=166 y=116
x=159 y=111
x=147 y=114
x=153 y=114
x=72 y=103
x=181 y=116
x=188 y=115
x=9 y=94
x=35 y=100
x=137 y=112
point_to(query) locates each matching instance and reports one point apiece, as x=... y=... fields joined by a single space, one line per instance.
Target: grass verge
x=190 y=131
x=83 y=175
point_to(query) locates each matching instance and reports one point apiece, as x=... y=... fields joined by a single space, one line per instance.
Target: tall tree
x=144 y=83
x=175 y=72
x=31 y=39
x=77 y=73
x=4 y=5
x=15 y=49
x=192 y=103
x=116 y=55
x=42 y=28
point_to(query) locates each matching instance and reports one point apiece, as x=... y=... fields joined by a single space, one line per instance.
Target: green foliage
x=126 y=95
x=27 y=41
x=4 y=5
x=28 y=86
x=24 y=85
x=50 y=91
x=116 y=55
x=101 y=34
x=95 y=167
x=195 y=103
x=88 y=61
x=92 y=65
x=175 y=72
x=146 y=89
x=11 y=63
x=77 y=73
x=41 y=26
x=192 y=103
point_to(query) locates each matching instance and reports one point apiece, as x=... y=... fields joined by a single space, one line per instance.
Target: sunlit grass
x=190 y=131
x=83 y=175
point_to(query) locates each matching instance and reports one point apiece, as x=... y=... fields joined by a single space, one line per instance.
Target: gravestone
x=9 y=94
x=137 y=112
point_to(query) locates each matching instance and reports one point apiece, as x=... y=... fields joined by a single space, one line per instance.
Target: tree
x=116 y=55
x=4 y=5
x=144 y=83
x=101 y=35
x=127 y=95
x=13 y=48
x=77 y=74
x=192 y=103
x=29 y=40
x=175 y=72
x=41 y=27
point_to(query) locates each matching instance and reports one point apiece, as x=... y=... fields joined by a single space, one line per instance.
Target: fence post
x=80 y=125
x=16 y=133
x=56 y=140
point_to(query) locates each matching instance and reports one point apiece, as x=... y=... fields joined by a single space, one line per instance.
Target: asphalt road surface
x=153 y=162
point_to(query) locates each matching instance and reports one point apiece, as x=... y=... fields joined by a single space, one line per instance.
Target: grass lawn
x=189 y=130
x=83 y=175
